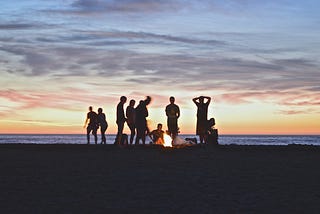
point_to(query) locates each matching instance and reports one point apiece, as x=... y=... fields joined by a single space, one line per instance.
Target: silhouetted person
x=157 y=135
x=121 y=119
x=141 y=121
x=103 y=125
x=173 y=113
x=202 y=114
x=131 y=118
x=92 y=118
x=212 y=133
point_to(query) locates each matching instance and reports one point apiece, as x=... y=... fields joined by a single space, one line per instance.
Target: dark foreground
x=107 y=179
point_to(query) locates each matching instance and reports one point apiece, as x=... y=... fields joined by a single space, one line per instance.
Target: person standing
x=173 y=113
x=131 y=118
x=202 y=115
x=141 y=121
x=103 y=125
x=121 y=119
x=92 y=121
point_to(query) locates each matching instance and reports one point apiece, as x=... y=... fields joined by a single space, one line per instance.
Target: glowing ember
x=167 y=141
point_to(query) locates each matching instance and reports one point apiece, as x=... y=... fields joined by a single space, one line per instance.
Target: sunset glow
x=258 y=61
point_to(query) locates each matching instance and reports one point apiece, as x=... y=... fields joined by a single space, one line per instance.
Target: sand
x=200 y=179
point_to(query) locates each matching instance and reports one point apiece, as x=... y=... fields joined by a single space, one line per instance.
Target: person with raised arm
x=202 y=114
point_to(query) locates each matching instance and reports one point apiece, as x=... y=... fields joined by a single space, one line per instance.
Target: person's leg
x=201 y=138
x=138 y=136
x=94 y=132
x=88 y=134
x=143 y=137
x=117 y=136
x=124 y=140
x=132 y=133
x=174 y=128
x=119 y=133
x=103 y=136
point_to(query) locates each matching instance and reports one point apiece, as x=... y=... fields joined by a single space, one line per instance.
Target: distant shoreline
x=292 y=146
x=77 y=139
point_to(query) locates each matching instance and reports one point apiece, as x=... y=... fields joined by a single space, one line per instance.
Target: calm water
x=223 y=139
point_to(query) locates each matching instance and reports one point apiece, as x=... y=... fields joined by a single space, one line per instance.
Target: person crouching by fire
x=157 y=135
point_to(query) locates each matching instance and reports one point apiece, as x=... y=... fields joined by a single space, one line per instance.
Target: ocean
x=223 y=139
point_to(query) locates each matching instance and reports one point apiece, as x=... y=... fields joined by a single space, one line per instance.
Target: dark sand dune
x=105 y=179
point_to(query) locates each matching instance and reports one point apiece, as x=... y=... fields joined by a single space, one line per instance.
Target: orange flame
x=167 y=141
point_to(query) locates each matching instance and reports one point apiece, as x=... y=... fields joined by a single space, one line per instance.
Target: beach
x=152 y=179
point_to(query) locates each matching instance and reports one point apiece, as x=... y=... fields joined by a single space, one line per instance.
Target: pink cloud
x=68 y=99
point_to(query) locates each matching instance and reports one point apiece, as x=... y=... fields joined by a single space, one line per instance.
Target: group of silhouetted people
x=135 y=117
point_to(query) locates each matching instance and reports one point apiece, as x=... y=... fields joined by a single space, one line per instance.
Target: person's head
x=172 y=100
x=211 y=122
x=100 y=110
x=159 y=126
x=90 y=108
x=148 y=100
x=132 y=103
x=123 y=99
x=201 y=99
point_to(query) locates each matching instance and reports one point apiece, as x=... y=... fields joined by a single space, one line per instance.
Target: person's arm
x=123 y=116
x=127 y=112
x=151 y=135
x=208 y=99
x=85 y=123
x=195 y=100
x=178 y=112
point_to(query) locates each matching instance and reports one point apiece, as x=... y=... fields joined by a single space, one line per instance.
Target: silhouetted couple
x=141 y=114
x=94 y=121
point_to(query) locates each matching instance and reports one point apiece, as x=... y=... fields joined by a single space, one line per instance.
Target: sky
x=259 y=61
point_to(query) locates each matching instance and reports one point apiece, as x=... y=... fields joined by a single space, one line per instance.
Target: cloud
x=294 y=112
x=32 y=99
x=130 y=37
x=302 y=100
x=290 y=102
x=17 y=26
x=192 y=71
x=126 y=6
x=24 y=26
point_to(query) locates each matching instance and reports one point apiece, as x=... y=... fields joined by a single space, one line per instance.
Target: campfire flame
x=167 y=141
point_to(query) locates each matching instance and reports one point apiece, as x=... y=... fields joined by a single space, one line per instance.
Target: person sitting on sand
x=211 y=133
x=103 y=125
x=157 y=135
x=92 y=118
